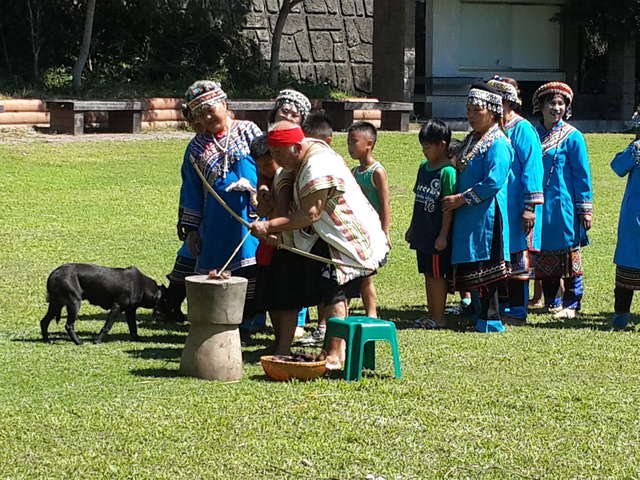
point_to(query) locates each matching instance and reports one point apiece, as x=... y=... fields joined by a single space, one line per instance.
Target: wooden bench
x=256 y=111
x=67 y=116
x=395 y=115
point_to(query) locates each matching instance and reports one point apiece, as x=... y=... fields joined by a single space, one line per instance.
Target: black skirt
x=292 y=281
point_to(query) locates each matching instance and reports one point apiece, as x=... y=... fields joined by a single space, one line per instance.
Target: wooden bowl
x=282 y=371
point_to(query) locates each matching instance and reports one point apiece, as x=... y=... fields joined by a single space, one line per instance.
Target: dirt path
x=30 y=135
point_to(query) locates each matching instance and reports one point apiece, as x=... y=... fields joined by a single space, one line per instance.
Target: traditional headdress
x=485 y=99
x=200 y=94
x=553 y=88
x=504 y=88
x=294 y=100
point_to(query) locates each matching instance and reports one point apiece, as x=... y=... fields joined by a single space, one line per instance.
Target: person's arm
x=381 y=181
x=265 y=202
x=284 y=200
x=448 y=186
x=626 y=160
x=529 y=153
x=578 y=162
x=311 y=208
x=409 y=232
x=499 y=158
x=191 y=204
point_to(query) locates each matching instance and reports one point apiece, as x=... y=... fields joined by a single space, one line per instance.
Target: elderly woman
x=525 y=199
x=331 y=218
x=566 y=216
x=290 y=105
x=480 y=253
x=220 y=151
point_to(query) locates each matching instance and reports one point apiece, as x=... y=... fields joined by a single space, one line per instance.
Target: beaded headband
x=555 y=88
x=202 y=93
x=508 y=91
x=294 y=100
x=482 y=98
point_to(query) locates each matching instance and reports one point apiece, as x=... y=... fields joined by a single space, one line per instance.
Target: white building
x=430 y=51
x=472 y=39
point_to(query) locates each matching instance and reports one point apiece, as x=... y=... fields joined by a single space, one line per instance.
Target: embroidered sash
x=556 y=136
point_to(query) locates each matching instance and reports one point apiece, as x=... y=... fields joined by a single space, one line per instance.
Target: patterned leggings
x=573 y=291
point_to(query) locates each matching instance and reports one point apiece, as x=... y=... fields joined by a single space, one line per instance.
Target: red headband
x=285 y=138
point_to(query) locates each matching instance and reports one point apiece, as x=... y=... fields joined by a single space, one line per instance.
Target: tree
x=274 y=63
x=613 y=20
x=35 y=15
x=85 y=46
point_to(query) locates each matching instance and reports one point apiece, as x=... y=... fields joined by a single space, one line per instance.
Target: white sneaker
x=316 y=337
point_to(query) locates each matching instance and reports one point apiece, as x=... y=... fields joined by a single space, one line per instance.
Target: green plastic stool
x=360 y=333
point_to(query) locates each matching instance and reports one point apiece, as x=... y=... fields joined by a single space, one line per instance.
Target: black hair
x=454 y=147
x=365 y=127
x=435 y=131
x=259 y=147
x=317 y=125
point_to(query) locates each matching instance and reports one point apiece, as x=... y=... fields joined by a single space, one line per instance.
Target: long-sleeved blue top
x=482 y=180
x=627 y=163
x=567 y=187
x=525 y=184
x=220 y=233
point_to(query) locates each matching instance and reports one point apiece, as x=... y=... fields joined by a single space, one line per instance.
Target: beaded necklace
x=474 y=147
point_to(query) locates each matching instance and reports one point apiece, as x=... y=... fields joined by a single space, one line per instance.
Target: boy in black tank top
x=429 y=232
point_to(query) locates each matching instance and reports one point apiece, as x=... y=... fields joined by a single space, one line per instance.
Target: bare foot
x=566 y=313
x=333 y=363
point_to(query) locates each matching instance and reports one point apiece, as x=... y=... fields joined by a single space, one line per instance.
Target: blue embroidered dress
x=219 y=232
x=567 y=187
x=483 y=172
x=567 y=195
x=525 y=183
x=627 y=256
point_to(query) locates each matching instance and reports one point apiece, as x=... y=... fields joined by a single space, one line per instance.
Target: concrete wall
x=324 y=40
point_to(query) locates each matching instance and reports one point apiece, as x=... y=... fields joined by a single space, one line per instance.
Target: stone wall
x=323 y=41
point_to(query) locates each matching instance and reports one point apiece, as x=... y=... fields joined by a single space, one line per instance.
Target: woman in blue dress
x=220 y=150
x=480 y=243
x=627 y=257
x=567 y=211
x=525 y=199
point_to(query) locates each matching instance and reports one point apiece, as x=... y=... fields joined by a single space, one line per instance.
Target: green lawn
x=550 y=400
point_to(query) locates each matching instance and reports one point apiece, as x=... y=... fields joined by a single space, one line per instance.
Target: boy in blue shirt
x=429 y=232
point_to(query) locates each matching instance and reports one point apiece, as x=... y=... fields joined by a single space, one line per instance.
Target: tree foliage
x=134 y=41
x=612 y=20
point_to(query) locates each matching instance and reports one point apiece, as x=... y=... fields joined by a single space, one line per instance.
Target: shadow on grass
x=170 y=355
x=163 y=353
x=144 y=320
x=89 y=337
x=253 y=356
x=591 y=321
x=155 y=372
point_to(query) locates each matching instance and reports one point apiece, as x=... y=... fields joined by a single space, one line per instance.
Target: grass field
x=550 y=400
